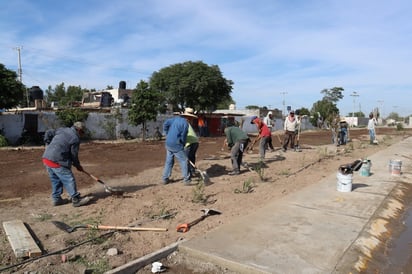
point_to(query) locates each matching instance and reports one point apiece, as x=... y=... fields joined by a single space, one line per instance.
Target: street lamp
x=354 y=95
x=284 y=110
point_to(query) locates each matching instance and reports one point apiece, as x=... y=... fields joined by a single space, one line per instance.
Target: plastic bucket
x=344 y=183
x=365 y=169
x=395 y=167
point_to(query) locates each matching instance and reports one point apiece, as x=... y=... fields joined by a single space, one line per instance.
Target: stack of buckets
x=395 y=167
x=344 y=183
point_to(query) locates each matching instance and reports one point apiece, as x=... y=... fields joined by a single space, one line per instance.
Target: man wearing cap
x=176 y=130
x=62 y=151
x=264 y=135
x=290 y=127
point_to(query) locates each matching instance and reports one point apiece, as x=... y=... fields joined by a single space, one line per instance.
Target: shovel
x=106 y=187
x=70 y=229
x=203 y=174
x=206 y=212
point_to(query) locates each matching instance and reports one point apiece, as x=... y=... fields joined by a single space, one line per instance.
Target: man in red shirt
x=264 y=135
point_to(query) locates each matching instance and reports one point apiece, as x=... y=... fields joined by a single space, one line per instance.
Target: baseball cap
x=253 y=118
x=79 y=125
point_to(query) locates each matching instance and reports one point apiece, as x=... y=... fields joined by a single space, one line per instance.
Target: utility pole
x=284 y=109
x=381 y=108
x=20 y=71
x=354 y=95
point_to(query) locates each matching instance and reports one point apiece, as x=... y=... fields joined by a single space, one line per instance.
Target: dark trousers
x=289 y=137
x=236 y=154
x=191 y=155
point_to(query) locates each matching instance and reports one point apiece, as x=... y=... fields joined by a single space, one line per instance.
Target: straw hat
x=189 y=112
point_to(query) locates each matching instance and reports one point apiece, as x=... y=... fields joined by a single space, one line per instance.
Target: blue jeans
x=170 y=160
x=62 y=177
x=372 y=135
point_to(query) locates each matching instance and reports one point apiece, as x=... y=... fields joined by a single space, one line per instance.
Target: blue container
x=365 y=169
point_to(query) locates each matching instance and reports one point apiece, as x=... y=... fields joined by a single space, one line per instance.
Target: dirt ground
x=136 y=168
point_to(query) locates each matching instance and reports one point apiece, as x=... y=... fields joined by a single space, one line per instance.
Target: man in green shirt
x=237 y=140
x=192 y=141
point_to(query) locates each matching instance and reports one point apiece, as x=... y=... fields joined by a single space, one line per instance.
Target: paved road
x=315 y=230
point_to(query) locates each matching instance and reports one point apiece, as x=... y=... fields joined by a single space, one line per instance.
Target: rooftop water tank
x=122 y=85
x=36 y=93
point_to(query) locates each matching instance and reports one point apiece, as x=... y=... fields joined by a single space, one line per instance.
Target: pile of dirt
x=136 y=167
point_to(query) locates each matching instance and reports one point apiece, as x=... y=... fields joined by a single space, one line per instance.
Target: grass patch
x=247 y=187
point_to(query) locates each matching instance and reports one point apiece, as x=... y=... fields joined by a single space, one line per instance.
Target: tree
x=193 y=84
x=65 y=96
x=333 y=94
x=252 y=107
x=325 y=110
x=12 y=91
x=144 y=106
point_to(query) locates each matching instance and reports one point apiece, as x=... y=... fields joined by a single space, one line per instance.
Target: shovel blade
x=63 y=226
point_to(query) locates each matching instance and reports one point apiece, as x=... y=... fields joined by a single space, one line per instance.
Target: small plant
x=399 y=126
x=199 y=193
x=260 y=169
x=284 y=172
x=43 y=217
x=97 y=267
x=247 y=187
x=322 y=152
x=3 y=141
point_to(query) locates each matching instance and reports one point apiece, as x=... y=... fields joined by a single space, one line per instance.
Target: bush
x=3 y=141
x=399 y=126
x=71 y=115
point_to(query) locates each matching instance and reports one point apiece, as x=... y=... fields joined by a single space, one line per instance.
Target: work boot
x=60 y=201
x=234 y=172
x=81 y=201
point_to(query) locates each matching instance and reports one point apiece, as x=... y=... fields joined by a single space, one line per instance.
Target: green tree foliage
x=303 y=111
x=333 y=94
x=252 y=107
x=12 y=91
x=65 y=96
x=325 y=110
x=356 y=114
x=144 y=106
x=192 y=84
x=69 y=116
x=395 y=116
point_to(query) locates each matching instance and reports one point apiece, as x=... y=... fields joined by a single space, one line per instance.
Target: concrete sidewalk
x=315 y=230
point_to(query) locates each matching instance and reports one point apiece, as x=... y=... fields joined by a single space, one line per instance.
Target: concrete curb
x=133 y=266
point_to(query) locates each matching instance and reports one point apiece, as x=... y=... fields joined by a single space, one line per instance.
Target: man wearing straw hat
x=176 y=130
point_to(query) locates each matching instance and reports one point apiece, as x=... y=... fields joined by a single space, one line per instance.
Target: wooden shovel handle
x=108 y=227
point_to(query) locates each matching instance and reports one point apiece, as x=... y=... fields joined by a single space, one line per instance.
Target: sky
x=278 y=53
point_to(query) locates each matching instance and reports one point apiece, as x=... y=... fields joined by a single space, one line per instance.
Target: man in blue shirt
x=62 y=150
x=176 y=129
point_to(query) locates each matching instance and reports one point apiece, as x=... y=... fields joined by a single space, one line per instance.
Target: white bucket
x=344 y=183
x=395 y=167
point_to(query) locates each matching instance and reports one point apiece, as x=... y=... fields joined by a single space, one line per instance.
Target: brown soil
x=136 y=168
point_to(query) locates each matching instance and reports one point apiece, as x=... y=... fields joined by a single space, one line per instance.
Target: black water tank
x=36 y=93
x=106 y=100
x=122 y=85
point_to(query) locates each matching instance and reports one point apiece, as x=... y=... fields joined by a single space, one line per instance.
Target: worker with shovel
x=192 y=141
x=176 y=129
x=237 y=140
x=264 y=135
x=62 y=150
x=290 y=127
